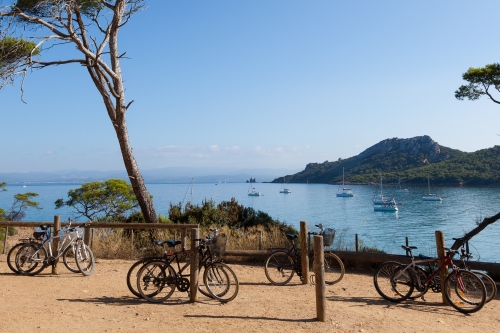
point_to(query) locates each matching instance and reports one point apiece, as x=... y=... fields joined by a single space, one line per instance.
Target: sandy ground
x=103 y=303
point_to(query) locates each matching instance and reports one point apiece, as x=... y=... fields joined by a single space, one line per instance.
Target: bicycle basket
x=328 y=237
x=218 y=245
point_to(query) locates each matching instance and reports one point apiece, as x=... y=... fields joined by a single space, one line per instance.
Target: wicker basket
x=328 y=237
x=218 y=245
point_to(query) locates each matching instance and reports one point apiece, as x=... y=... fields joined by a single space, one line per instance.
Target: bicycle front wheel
x=279 y=268
x=489 y=284
x=392 y=282
x=69 y=259
x=84 y=258
x=156 y=281
x=30 y=260
x=465 y=291
x=334 y=268
x=221 y=282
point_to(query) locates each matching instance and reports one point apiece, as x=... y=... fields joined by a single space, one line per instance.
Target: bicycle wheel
x=156 y=281
x=489 y=284
x=221 y=281
x=392 y=283
x=279 y=268
x=334 y=269
x=202 y=287
x=30 y=260
x=134 y=271
x=465 y=291
x=84 y=258
x=69 y=259
x=11 y=257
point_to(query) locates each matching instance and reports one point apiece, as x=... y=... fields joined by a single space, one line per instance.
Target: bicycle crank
x=183 y=284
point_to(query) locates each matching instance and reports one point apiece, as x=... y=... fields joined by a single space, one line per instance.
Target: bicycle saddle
x=291 y=236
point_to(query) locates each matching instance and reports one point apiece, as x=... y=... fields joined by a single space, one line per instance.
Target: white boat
x=379 y=199
x=284 y=189
x=346 y=192
x=430 y=196
x=389 y=206
x=401 y=190
x=252 y=192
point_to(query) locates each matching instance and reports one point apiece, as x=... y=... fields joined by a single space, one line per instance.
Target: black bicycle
x=282 y=263
x=158 y=279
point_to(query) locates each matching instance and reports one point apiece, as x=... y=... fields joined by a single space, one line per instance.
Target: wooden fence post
x=406 y=242
x=5 y=239
x=195 y=234
x=132 y=244
x=319 y=278
x=440 y=244
x=357 y=246
x=183 y=238
x=304 y=257
x=86 y=235
x=261 y=235
x=55 y=241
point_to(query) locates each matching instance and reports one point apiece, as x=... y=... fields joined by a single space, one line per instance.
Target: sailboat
x=284 y=189
x=252 y=192
x=430 y=196
x=346 y=192
x=380 y=200
x=399 y=189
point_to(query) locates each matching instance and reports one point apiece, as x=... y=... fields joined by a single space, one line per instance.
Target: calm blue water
x=317 y=203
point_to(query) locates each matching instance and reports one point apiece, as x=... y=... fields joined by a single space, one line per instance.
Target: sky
x=264 y=84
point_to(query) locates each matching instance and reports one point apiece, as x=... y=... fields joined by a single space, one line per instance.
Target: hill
x=410 y=160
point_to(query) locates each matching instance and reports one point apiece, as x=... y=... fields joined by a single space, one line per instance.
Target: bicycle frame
x=68 y=239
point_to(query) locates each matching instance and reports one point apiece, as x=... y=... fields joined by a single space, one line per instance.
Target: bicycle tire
x=391 y=289
x=334 y=269
x=30 y=260
x=279 y=268
x=11 y=257
x=132 y=274
x=489 y=284
x=84 y=258
x=221 y=282
x=156 y=281
x=465 y=291
x=69 y=259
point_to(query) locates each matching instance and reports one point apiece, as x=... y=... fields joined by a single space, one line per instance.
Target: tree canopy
x=108 y=200
x=482 y=81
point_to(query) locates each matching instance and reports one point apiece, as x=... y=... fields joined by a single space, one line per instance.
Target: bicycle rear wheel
x=465 y=291
x=279 y=268
x=156 y=281
x=392 y=283
x=489 y=284
x=334 y=268
x=11 y=257
x=84 y=258
x=221 y=282
x=30 y=260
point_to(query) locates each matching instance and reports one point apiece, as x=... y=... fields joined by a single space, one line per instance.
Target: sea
x=458 y=213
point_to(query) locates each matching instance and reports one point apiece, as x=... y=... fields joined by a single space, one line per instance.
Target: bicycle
x=167 y=255
x=32 y=258
x=396 y=282
x=22 y=241
x=157 y=280
x=282 y=263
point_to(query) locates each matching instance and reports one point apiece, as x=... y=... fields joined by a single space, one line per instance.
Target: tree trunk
x=142 y=194
x=487 y=221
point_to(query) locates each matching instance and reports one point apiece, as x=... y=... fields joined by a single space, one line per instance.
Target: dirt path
x=102 y=303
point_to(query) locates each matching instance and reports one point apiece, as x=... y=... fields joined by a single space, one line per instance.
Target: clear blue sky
x=265 y=84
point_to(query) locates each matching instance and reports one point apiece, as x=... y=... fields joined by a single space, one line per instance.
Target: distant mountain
x=163 y=175
x=411 y=160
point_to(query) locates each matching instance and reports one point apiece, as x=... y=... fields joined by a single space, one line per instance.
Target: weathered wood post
x=183 y=238
x=357 y=244
x=440 y=244
x=319 y=278
x=55 y=241
x=261 y=235
x=5 y=239
x=132 y=244
x=87 y=232
x=406 y=242
x=303 y=252
x=195 y=234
